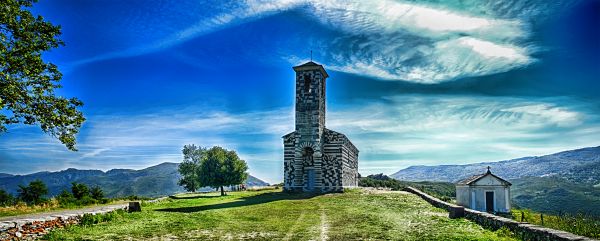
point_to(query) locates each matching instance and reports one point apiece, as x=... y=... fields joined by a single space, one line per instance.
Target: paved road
x=68 y=212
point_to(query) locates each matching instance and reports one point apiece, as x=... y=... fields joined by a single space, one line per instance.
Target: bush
x=6 y=199
x=97 y=193
x=66 y=199
x=79 y=190
x=90 y=219
x=86 y=200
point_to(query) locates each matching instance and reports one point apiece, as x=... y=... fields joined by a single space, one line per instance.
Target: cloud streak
x=388 y=40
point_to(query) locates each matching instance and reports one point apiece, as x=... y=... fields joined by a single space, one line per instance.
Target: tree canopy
x=222 y=167
x=215 y=167
x=27 y=82
x=33 y=193
x=188 y=168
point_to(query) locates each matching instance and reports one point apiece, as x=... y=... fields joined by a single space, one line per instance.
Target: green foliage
x=79 y=190
x=66 y=199
x=96 y=193
x=222 y=167
x=555 y=195
x=192 y=157
x=6 y=199
x=27 y=83
x=91 y=219
x=33 y=193
x=580 y=224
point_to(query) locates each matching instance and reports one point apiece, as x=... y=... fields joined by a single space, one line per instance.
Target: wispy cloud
x=390 y=40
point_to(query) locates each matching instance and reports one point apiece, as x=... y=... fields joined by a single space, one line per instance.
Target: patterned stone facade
x=316 y=158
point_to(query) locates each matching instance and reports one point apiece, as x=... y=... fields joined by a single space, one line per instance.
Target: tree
x=6 y=199
x=192 y=156
x=33 y=193
x=221 y=167
x=79 y=190
x=27 y=83
x=96 y=193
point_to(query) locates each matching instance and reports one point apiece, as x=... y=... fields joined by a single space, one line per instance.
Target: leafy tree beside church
x=215 y=167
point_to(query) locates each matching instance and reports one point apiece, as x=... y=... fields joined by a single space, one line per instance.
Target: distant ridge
x=158 y=180
x=581 y=165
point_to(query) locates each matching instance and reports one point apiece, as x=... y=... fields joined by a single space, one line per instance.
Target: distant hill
x=581 y=165
x=5 y=175
x=567 y=181
x=153 y=181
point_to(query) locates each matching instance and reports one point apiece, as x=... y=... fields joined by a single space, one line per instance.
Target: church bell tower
x=310 y=101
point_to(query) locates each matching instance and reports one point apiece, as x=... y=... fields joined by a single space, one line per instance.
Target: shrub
x=96 y=193
x=79 y=190
x=86 y=200
x=90 y=219
x=6 y=199
x=66 y=199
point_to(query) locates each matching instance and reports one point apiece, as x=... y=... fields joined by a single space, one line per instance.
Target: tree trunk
x=222 y=191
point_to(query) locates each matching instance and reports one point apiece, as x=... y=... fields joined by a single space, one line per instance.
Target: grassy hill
x=154 y=181
x=273 y=215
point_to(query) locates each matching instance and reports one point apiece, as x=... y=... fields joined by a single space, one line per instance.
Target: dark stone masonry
x=316 y=159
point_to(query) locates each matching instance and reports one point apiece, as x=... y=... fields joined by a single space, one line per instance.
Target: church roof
x=472 y=179
x=311 y=66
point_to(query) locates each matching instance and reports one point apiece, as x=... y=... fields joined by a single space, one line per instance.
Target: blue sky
x=411 y=82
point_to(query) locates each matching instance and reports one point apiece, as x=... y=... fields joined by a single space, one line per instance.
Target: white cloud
x=557 y=115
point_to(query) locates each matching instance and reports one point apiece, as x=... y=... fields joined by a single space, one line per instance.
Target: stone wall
x=525 y=231
x=31 y=227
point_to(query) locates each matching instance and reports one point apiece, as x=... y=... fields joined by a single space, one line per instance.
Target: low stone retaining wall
x=524 y=230
x=36 y=227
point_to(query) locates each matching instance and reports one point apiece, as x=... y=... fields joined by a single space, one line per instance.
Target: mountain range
x=567 y=181
x=154 y=181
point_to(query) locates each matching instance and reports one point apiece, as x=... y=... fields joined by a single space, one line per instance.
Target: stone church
x=316 y=159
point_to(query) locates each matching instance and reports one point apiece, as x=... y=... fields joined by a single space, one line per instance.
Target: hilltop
x=158 y=180
x=273 y=215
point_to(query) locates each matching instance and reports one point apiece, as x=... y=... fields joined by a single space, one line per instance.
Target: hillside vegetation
x=154 y=181
x=554 y=195
x=273 y=215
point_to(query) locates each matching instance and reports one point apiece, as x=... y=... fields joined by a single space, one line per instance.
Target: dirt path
x=292 y=230
x=324 y=225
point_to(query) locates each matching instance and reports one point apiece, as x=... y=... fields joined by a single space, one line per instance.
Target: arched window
x=307 y=155
x=307 y=82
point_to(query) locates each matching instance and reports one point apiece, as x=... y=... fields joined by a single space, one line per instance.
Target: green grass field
x=273 y=215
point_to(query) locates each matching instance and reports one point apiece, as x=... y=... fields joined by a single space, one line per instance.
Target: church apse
x=316 y=159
